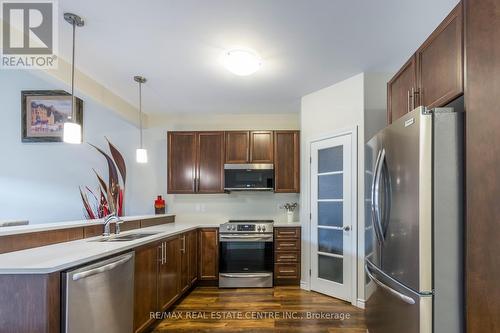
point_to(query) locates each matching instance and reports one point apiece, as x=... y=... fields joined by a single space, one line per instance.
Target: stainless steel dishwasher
x=100 y=297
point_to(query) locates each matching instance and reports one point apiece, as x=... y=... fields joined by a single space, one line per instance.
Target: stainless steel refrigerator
x=414 y=224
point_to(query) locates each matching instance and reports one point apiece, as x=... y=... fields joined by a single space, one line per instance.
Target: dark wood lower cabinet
x=184 y=280
x=208 y=243
x=192 y=250
x=287 y=256
x=169 y=273
x=30 y=303
x=145 y=285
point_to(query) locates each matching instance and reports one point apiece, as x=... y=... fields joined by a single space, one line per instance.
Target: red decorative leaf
x=86 y=204
x=119 y=161
x=113 y=187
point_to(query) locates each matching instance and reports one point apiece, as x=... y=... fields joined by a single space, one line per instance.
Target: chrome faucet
x=107 y=221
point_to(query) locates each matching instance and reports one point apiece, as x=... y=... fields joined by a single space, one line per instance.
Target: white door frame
x=353 y=131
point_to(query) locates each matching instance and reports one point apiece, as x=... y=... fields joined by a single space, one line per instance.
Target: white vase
x=289 y=216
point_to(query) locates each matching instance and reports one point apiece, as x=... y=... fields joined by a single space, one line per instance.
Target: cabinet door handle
x=183 y=249
x=165 y=256
x=408 y=102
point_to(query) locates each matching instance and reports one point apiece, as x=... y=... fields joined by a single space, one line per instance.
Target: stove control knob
x=263 y=228
x=258 y=228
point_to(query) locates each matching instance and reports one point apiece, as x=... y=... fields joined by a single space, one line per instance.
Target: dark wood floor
x=280 y=309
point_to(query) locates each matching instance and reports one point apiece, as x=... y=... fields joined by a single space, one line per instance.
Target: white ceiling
x=305 y=45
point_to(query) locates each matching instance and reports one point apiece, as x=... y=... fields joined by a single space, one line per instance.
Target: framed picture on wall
x=44 y=113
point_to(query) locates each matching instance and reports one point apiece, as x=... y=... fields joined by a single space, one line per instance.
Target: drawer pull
x=287 y=244
x=286 y=232
x=288 y=271
x=287 y=257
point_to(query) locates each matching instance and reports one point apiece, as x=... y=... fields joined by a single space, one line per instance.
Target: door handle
x=408 y=101
x=376 y=202
x=101 y=269
x=242 y=276
x=373 y=198
x=399 y=295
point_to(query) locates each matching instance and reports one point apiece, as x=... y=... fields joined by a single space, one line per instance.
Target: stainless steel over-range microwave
x=249 y=177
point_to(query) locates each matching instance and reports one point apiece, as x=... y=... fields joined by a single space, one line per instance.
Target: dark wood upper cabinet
x=181 y=162
x=237 y=147
x=249 y=147
x=261 y=147
x=169 y=273
x=440 y=62
x=208 y=254
x=402 y=94
x=195 y=162
x=145 y=286
x=210 y=162
x=433 y=77
x=287 y=161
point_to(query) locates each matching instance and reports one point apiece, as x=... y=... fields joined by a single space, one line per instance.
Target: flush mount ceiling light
x=141 y=154
x=241 y=62
x=72 y=131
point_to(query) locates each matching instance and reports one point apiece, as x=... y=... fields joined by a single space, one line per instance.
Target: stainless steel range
x=246 y=254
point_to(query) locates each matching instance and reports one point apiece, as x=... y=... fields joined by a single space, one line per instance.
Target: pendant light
x=141 y=154
x=72 y=131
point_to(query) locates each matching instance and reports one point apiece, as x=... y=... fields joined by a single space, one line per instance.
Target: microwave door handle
x=402 y=297
x=374 y=198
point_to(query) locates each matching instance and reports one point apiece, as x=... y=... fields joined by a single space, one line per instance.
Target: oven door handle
x=261 y=275
x=226 y=238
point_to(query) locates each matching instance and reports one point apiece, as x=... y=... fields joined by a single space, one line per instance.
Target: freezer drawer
x=100 y=297
x=394 y=308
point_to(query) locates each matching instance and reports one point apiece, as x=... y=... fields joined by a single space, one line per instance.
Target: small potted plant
x=290 y=208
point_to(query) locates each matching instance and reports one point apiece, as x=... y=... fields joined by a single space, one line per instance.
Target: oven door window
x=246 y=257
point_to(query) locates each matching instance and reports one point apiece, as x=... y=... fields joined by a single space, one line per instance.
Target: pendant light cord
x=73 y=75
x=140 y=111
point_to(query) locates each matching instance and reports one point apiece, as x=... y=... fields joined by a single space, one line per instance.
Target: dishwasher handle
x=101 y=269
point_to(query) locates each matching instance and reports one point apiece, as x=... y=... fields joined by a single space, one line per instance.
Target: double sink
x=124 y=238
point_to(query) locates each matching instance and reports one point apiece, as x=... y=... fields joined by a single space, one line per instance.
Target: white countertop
x=61 y=256
x=23 y=229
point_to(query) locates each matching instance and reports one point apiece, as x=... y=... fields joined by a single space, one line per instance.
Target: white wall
x=39 y=181
x=342 y=106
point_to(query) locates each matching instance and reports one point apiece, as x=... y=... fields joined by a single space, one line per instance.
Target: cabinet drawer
x=287 y=257
x=287 y=232
x=287 y=245
x=287 y=271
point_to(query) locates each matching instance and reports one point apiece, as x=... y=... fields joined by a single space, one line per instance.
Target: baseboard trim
x=304 y=285
x=360 y=303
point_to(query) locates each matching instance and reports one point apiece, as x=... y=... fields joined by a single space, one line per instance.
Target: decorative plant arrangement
x=109 y=197
x=290 y=208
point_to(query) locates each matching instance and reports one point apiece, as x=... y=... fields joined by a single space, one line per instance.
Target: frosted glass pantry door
x=331 y=216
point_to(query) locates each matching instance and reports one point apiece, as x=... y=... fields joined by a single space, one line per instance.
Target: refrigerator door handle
x=386 y=213
x=376 y=196
x=399 y=295
x=374 y=217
